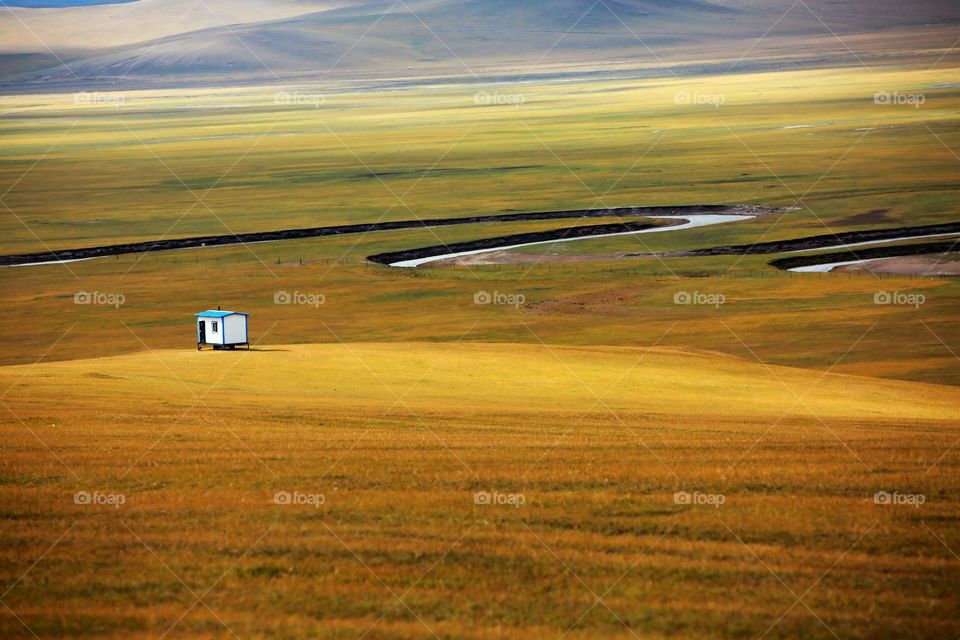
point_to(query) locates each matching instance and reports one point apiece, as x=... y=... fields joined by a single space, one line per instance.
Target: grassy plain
x=187 y=163
x=596 y=397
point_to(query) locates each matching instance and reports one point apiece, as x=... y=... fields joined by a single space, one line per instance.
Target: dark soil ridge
x=896 y=251
x=818 y=242
x=320 y=232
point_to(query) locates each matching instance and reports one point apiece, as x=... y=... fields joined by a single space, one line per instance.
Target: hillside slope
x=148 y=42
x=499 y=488
x=440 y=377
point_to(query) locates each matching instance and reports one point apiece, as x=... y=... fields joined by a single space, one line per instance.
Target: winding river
x=871 y=242
x=829 y=266
x=688 y=222
x=682 y=217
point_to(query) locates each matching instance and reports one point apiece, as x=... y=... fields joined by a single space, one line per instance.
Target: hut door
x=203 y=332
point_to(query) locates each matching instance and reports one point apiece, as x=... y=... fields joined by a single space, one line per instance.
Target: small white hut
x=222 y=329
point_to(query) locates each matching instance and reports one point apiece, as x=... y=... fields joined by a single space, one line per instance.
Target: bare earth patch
x=932 y=265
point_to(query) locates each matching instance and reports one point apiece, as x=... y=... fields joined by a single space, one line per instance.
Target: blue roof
x=220 y=314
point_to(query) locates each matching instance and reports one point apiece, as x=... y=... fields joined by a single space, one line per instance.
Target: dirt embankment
x=320 y=232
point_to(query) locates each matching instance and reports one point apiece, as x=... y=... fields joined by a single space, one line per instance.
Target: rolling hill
x=149 y=43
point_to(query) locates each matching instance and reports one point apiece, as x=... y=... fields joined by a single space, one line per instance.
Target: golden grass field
x=398 y=438
x=596 y=398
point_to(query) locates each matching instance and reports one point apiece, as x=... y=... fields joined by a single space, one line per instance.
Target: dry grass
x=398 y=438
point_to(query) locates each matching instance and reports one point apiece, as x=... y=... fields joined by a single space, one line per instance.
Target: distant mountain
x=59 y=4
x=75 y=27
x=170 y=42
